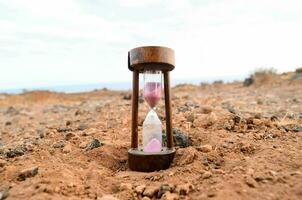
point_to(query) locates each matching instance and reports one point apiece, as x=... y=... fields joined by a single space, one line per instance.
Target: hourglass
x=154 y=62
x=152 y=127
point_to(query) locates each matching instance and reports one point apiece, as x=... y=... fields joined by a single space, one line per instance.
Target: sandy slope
x=246 y=144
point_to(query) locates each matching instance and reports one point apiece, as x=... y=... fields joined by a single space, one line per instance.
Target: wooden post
x=134 y=123
x=168 y=110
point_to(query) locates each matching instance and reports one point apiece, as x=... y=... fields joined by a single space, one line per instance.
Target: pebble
x=190 y=117
x=257 y=122
x=294 y=173
x=205 y=109
x=41 y=133
x=164 y=188
x=274 y=118
x=82 y=127
x=206 y=175
x=127 y=97
x=181 y=139
x=2 y=163
x=250 y=182
x=95 y=143
x=151 y=191
x=3 y=194
x=84 y=144
x=205 y=148
x=125 y=186
x=68 y=123
x=8 y=123
x=67 y=148
x=140 y=189
x=27 y=173
x=170 y=196
x=59 y=144
x=11 y=110
x=68 y=135
x=63 y=129
x=19 y=151
x=188 y=156
x=237 y=119
x=184 y=189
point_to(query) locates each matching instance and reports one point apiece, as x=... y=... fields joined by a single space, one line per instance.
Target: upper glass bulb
x=152 y=87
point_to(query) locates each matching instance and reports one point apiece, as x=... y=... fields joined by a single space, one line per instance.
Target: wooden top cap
x=151 y=58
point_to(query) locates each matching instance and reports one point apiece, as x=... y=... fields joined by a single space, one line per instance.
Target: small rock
x=127 y=97
x=237 y=119
x=231 y=109
x=140 y=189
x=68 y=135
x=258 y=116
x=19 y=151
x=82 y=127
x=257 y=122
x=2 y=163
x=107 y=197
x=187 y=155
x=250 y=182
x=68 y=123
x=170 y=196
x=63 y=129
x=163 y=189
x=3 y=194
x=272 y=173
x=27 y=173
x=206 y=175
x=274 y=118
x=12 y=111
x=211 y=194
x=295 y=173
x=293 y=127
x=205 y=109
x=125 y=186
x=78 y=112
x=40 y=133
x=146 y=198
x=67 y=148
x=8 y=123
x=151 y=191
x=84 y=144
x=181 y=139
x=95 y=143
x=248 y=81
x=59 y=144
x=184 y=189
x=190 y=117
x=205 y=148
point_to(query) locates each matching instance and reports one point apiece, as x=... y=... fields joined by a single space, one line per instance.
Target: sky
x=56 y=42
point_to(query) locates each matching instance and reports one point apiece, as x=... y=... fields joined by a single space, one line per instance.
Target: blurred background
x=77 y=45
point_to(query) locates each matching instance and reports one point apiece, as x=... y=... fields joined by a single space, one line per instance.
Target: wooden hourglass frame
x=139 y=60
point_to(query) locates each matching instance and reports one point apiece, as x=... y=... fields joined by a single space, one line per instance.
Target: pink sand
x=152 y=93
x=153 y=146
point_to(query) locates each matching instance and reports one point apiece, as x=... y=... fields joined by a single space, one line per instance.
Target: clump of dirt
x=233 y=142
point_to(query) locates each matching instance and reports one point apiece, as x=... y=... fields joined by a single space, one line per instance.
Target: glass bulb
x=152 y=87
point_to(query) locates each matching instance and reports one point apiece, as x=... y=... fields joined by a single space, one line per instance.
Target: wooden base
x=148 y=162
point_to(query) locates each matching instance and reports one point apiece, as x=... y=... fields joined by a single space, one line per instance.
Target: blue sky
x=55 y=42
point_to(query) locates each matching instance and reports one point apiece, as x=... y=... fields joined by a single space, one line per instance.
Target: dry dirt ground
x=245 y=143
